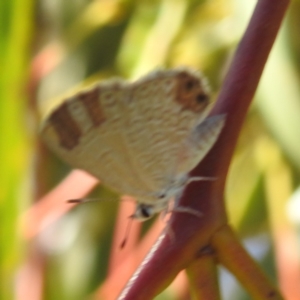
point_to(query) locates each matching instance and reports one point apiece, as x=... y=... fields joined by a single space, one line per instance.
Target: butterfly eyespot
x=201 y=98
x=161 y=196
x=189 y=85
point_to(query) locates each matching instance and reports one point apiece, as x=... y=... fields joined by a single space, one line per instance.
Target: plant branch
x=203 y=278
x=235 y=258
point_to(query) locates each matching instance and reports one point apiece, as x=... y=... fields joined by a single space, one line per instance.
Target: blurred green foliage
x=16 y=24
x=92 y=40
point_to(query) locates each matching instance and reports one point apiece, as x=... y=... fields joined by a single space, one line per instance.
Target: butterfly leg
x=181 y=209
x=200 y=178
x=188 y=210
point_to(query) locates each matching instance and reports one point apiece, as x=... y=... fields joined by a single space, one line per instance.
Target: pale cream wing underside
x=200 y=141
x=127 y=135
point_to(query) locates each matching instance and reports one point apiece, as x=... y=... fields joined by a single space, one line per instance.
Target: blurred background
x=48 y=47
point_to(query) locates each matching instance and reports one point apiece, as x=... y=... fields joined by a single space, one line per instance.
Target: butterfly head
x=144 y=212
x=159 y=201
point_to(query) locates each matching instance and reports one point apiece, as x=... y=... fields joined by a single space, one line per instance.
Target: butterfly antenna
x=197 y=178
x=83 y=200
x=124 y=242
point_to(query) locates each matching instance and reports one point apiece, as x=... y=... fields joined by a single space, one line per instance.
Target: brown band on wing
x=190 y=92
x=91 y=102
x=66 y=128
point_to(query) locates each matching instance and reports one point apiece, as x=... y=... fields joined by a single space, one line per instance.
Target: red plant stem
x=244 y=74
x=192 y=233
x=50 y=207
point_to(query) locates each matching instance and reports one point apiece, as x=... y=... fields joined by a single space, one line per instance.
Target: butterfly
x=141 y=138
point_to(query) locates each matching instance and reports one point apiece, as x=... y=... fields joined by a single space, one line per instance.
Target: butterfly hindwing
x=199 y=142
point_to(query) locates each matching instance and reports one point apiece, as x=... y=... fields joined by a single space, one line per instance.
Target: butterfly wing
x=198 y=143
x=129 y=135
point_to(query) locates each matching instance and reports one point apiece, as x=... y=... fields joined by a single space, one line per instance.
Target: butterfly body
x=140 y=138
